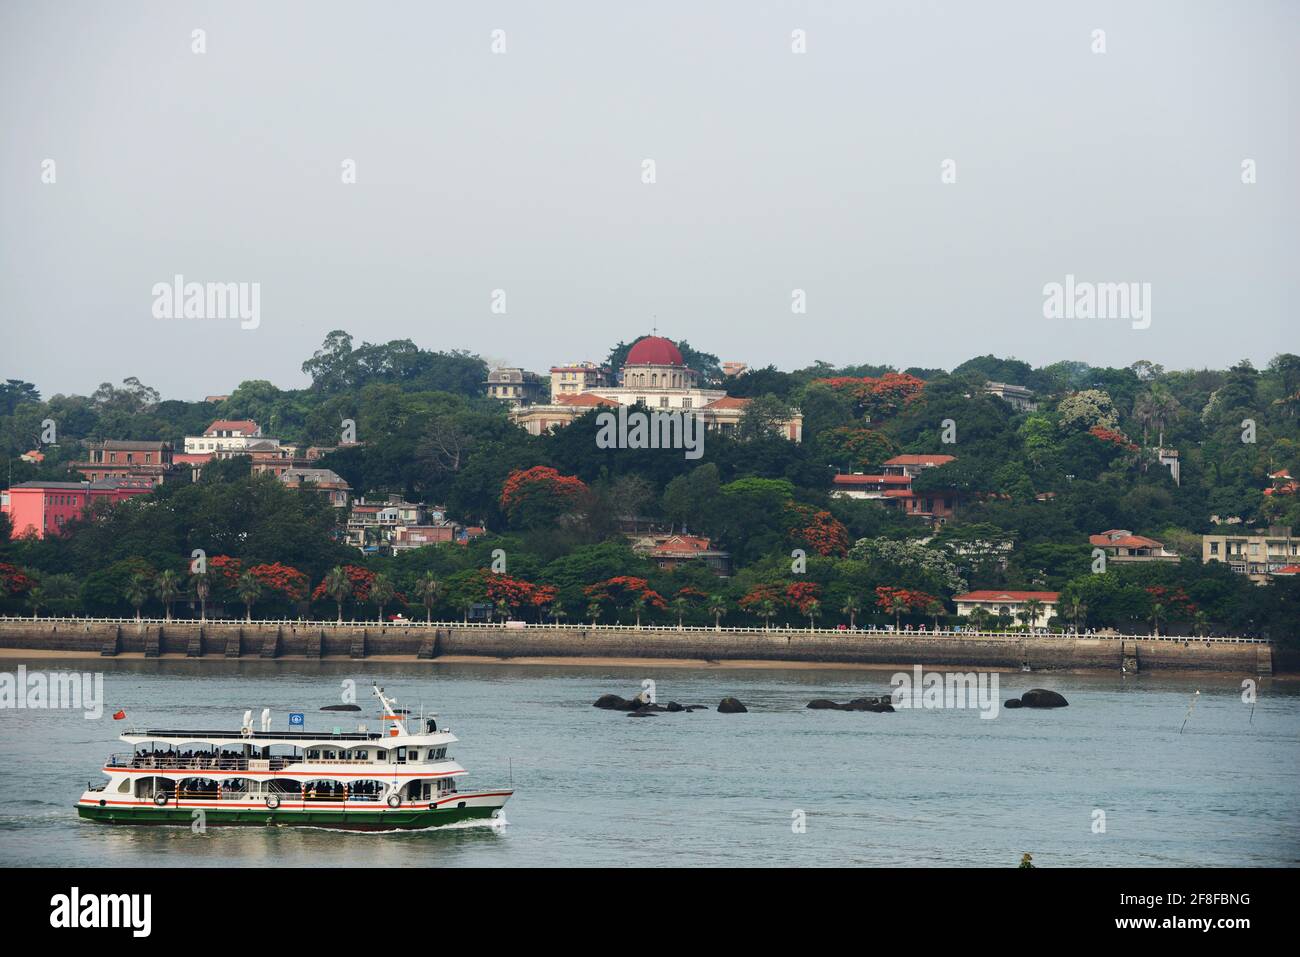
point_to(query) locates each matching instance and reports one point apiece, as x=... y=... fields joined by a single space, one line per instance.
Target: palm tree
x=558 y=614
x=767 y=608
x=167 y=586
x=813 y=611
x=249 y=590
x=36 y=598
x=382 y=592
x=137 y=592
x=593 y=611
x=717 y=608
x=1030 y=611
x=934 y=609
x=851 y=608
x=502 y=608
x=1158 y=614
x=469 y=606
x=1202 y=623
x=427 y=589
x=1077 y=609
x=681 y=606
x=202 y=589
x=339 y=587
x=638 y=606
x=981 y=618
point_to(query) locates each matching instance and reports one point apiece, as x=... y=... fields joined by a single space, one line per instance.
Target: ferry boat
x=359 y=780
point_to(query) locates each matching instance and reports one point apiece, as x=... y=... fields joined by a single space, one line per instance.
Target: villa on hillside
x=653 y=375
x=1121 y=545
x=893 y=486
x=1009 y=604
x=1257 y=554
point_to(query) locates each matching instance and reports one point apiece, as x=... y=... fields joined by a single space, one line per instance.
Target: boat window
x=124 y=786
x=415 y=754
x=362 y=755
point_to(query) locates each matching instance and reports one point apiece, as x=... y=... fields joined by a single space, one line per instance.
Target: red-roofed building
x=1009 y=604
x=913 y=464
x=227 y=434
x=672 y=551
x=1121 y=545
x=857 y=485
x=654 y=375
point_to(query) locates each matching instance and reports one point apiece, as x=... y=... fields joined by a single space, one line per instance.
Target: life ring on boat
x=160 y=798
x=394 y=800
x=272 y=801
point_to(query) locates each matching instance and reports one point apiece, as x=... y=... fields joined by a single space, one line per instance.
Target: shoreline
x=619 y=661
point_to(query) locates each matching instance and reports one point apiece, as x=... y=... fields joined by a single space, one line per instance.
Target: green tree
x=166 y=588
x=717 y=608
x=249 y=589
x=137 y=592
x=427 y=589
x=852 y=606
x=382 y=591
x=202 y=589
x=339 y=587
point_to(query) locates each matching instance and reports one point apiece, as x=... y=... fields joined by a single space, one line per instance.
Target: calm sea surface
x=598 y=788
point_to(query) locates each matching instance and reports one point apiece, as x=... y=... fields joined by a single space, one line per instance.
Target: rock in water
x=731 y=706
x=1040 y=698
x=674 y=707
x=613 y=702
x=1013 y=703
x=822 y=704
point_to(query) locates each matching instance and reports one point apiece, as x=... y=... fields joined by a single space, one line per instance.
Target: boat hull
x=387 y=819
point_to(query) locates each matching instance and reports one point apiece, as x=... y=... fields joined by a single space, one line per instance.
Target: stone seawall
x=269 y=640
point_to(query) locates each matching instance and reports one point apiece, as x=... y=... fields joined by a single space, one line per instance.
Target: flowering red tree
x=1112 y=436
x=818 y=529
x=224 y=573
x=358 y=576
x=879 y=398
x=626 y=591
x=895 y=601
x=13 y=581
x=801 y=595
x=284 y=580
x=535 y=497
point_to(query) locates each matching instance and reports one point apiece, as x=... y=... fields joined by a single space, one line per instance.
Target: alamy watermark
x=933 y=690
x=51 y=691
x=1098 y=300
x=179 y=299
x=651 y=430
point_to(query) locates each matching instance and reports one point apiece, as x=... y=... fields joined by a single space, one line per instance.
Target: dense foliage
x=1033 y=485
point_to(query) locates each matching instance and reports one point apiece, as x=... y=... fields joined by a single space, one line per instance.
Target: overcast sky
x=522 y=171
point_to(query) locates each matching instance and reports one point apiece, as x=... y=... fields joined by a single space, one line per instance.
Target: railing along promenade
x=858 y=632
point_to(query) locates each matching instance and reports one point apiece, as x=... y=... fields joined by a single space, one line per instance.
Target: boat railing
x=151 y=762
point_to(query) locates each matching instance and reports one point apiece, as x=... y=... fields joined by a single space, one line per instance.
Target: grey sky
x=522 y=172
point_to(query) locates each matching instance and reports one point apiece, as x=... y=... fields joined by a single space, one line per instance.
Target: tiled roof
x=1125 y=541
x=872 y=480
x=585 y=399
x=995 y=596
x=247 y=426
x=920 y=459
x=728 y=402
x=681 y=545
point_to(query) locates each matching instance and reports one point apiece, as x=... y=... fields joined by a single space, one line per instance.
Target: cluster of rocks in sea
x=641 y=706
x=1038 y=698
x=881 y=705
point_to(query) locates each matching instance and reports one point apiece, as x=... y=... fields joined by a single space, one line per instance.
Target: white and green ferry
x=361 y=780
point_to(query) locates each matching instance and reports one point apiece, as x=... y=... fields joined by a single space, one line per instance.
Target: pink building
x=38 y=509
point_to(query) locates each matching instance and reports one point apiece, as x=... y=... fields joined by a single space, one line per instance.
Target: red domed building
x=654 y=375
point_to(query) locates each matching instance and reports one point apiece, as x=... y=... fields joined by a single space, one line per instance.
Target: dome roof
x=654 y=351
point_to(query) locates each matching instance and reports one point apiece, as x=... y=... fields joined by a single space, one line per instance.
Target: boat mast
x=389 y=711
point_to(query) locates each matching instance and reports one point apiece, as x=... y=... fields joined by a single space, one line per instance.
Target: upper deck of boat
x=152 y=734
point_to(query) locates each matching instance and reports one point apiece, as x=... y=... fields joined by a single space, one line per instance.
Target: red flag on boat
x=119 y=715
